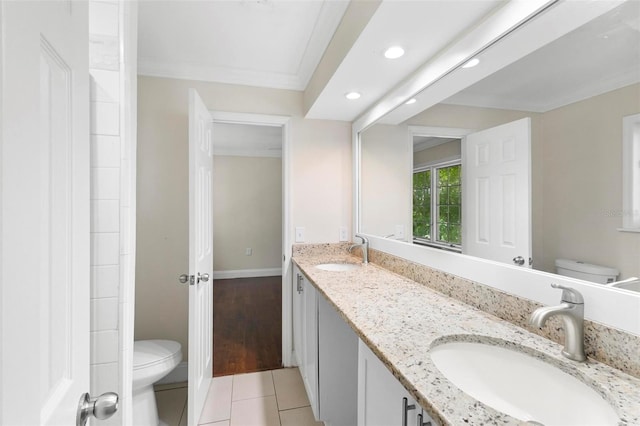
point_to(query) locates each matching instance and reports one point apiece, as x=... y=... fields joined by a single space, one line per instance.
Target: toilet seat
x=150 y=353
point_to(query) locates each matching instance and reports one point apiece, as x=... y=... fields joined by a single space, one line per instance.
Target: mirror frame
x=529 y=29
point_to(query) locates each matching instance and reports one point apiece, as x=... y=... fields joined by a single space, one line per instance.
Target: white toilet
x=152 y=360
x=586 y=271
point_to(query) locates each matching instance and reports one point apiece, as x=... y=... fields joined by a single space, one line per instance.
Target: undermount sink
x=520 y=385
x=338 y=267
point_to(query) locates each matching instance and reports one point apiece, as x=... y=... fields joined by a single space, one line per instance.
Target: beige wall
x=386 y=174
x=247 y=212
x=320 y=187
x=582 y=168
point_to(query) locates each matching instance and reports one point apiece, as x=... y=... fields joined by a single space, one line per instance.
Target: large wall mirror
x=553 y=121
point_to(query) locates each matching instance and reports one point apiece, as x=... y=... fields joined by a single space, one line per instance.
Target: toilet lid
x=149 y=352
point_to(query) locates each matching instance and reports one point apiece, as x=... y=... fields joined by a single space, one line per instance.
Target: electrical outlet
x=299 y=234
x=344 y=236
x=248 y=251
x=399 y=234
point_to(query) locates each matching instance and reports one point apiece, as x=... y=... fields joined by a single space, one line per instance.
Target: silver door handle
x=421 y=421
x=101 y=407
x=518 y=260
x=405 y=410
x=203 y=277
x=184 y=278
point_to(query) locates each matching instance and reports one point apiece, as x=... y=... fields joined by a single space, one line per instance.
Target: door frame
x=285 y=123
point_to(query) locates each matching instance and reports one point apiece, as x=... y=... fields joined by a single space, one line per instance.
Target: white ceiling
x=598 y=57
x=423 y=28
x=251 y=42
x=278 y=43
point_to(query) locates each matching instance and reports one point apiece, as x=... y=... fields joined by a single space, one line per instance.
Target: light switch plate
x=344 y=235
x=299 y=234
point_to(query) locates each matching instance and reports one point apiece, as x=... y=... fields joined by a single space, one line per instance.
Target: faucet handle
x=569 y=294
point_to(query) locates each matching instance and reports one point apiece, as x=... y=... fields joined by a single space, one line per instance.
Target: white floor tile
x=222 y=423
x=298 y=417
x=255 y=412
x=217 y=406
x=290 y=391
x=252 y=385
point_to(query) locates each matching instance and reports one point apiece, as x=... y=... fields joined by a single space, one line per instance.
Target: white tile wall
x=105 y=85
x=106 y=214
x=104 y=346
x=105 y=183
x=105 y=248
x=105 y=118
x=105 y=151
x=105 y=281
x=104 y=378
x=104 y=314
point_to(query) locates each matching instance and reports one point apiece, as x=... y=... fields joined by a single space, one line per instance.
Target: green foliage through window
x=443 y=183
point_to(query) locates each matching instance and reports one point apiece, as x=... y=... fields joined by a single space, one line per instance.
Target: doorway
x=249 y=218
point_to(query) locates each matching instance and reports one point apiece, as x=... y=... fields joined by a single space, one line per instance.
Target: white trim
x=194 y=72
x=177 y=375
x=449 y=161
x=246 y=273
x=631 y=172
x=439 y=132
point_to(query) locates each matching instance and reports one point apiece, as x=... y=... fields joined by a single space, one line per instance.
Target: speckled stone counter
x=400 y=320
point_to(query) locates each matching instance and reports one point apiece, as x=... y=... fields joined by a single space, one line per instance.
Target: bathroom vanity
x=396 y=323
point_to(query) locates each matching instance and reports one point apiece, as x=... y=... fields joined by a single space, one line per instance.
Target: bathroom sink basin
x=520 y=385
x=338 y=267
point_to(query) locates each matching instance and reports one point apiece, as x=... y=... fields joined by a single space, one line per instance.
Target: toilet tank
x=586 y=271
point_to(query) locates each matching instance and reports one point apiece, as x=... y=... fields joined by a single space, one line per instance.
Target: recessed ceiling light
x=411 y=101
x=471 y=63
x=352 y=96
x=394 y=52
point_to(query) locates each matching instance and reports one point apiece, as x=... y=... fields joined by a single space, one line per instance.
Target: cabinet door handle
x=405 y=410
x=421 y=422
x=299 y=283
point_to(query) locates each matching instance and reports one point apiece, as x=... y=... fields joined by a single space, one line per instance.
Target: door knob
x=184 y=278
x=203 y=277
x=518 y=260
x=101 y=407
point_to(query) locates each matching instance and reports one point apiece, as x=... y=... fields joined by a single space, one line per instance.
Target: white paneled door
x=497 y=193
x=200 y=255
x=44 y=121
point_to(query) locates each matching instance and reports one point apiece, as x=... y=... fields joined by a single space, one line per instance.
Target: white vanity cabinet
x=382 y=400
x=305 y=335
x=326 y=351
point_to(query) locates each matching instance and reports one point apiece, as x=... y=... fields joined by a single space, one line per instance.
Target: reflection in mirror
x=575 y=93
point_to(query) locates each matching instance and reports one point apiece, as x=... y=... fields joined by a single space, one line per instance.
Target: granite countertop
x=400 y=320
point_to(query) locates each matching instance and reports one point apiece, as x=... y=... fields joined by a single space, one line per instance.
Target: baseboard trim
x=247 y=273
x=177 y=375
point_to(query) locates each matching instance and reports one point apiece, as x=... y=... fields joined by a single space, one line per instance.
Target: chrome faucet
x=364 y=246
x=571 y=309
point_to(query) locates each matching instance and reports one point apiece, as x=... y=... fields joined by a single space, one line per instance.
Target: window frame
x=435 y=211
x=630 y=174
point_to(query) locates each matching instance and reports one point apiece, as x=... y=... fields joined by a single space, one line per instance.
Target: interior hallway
x=247 y=325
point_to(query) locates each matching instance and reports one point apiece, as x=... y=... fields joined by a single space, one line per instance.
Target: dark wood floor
x=247 y=325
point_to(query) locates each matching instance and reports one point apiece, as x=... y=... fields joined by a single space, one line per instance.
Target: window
x=437 y=205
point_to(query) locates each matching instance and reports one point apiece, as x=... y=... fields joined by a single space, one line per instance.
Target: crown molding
x=214 y=74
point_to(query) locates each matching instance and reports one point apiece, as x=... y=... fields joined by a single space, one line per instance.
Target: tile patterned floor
x=267 y=398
